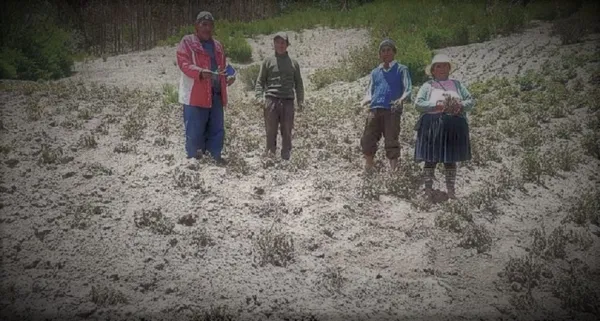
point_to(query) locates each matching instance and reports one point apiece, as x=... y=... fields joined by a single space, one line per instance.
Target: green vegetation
x=411 y=24
x=33 y=48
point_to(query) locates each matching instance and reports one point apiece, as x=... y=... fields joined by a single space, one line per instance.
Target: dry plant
x=585 y=208
x=552 y=246
x=219 y=313
x=274 y=247
x=123 y=148
x=575 y=291
x=80 y=217
x=105 y=296
x=154 y=220
x=88 y=141
x=405 y=181
x=237 y=164
x=370 y=187
x=476 y=236
x=192 y=180
x=50 y=155
x=333 y=280
x=134 y=126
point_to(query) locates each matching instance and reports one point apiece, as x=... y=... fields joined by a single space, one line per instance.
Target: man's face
x=280 y=45
x=386 y=54
x=204 y=29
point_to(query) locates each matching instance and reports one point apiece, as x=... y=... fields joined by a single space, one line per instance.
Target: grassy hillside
x=418 y=26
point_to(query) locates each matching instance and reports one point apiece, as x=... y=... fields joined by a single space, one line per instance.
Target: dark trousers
x=279 y=116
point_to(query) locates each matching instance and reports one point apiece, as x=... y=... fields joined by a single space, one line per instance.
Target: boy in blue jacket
x=389 y=87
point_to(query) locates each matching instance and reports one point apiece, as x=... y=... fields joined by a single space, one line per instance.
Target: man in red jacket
x=203 y=89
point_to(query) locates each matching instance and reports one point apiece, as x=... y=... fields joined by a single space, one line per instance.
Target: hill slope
x=102 y=216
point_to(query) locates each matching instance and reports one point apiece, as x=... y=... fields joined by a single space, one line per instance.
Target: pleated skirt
x=442 y=138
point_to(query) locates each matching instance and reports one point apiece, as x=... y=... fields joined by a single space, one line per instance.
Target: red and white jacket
x=191 y=59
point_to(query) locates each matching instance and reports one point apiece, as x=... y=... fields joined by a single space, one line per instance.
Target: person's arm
x=261 y=80
x=407 y=84
x=467 y=100
x=299 y=84
x=422 y=103
x=185 y=62
x=368 y=92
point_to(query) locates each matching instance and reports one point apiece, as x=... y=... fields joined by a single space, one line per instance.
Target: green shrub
x=249 y=75
x=33 y=55
x=170 y=94
x=238 y=49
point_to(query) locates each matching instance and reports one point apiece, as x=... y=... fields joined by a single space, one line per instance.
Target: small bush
x=476 y=236
x=566 y=158
x=534 y=165
x=106 y=296
x=134 y=126
x=591 y=143
x=575 y=291
x=524 y=270
x=238 y=49
x=34 y=55
x=220 y=313
x=88 y=141
x=405 y=182
x=370 y=187
x=154 y=220
x=249 y=75
x=50 y=155
x=170 y=94
x=586 y=207
x=274 y=247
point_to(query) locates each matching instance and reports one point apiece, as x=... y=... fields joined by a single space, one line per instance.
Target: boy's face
x=386 y=54
x=280 y=45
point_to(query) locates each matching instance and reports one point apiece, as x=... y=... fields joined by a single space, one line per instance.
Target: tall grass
x=418 y=27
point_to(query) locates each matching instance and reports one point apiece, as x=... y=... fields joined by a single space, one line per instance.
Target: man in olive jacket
x=279 y=82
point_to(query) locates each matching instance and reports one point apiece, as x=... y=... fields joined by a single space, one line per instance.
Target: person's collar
x=281 y=55
x=392 y=63
x=200 y=39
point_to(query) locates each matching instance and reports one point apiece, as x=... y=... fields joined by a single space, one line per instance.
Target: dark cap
x=204 y=15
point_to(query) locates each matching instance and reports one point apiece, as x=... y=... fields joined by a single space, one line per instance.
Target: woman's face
x=440 y=70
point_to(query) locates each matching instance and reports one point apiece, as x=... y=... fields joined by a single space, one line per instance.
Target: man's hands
x=230 y=81
x=205 y=74
x=439 y=106
x=300 y=106
x=258 y=101
x=397 y=105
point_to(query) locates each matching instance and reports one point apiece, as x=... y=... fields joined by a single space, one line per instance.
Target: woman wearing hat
x=442 y=134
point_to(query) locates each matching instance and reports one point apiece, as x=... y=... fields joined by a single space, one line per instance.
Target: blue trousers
x=204 y=128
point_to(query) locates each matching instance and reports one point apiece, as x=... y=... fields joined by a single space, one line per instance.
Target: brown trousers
x=386 y=123
x=279 y=114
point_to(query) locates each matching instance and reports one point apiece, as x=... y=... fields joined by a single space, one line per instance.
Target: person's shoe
x=221 y=161
x=451 y=193
x=393 y=165
x=369 y=163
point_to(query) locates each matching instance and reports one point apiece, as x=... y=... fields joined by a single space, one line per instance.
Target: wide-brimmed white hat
x=439 y=58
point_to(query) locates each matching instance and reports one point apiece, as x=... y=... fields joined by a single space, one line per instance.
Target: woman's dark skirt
x=442 y=138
